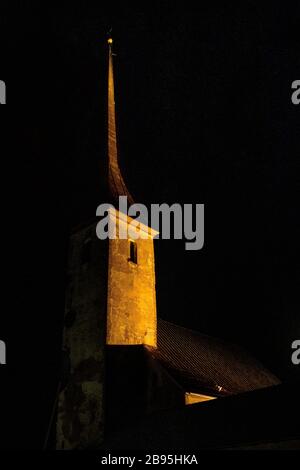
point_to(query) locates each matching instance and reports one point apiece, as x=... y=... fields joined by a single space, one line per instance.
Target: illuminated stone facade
x=131 y=301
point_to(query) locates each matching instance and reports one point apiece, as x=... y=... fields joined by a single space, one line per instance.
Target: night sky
x=203 y=99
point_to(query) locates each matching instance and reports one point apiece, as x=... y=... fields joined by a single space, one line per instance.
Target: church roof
x=203 y=364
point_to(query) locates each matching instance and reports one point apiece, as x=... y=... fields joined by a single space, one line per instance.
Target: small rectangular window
x=132 y=252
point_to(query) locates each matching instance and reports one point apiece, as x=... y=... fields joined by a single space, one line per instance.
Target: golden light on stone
x=131 y=299
x=192 y=398
x=110 y=41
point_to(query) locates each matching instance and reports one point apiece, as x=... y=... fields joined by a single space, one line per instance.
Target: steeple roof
x=116 y=183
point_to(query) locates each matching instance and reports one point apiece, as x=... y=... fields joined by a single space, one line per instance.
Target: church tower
x=110 y=303
x=131 y=304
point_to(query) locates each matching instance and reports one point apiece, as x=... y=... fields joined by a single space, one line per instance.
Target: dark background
x=205 y=116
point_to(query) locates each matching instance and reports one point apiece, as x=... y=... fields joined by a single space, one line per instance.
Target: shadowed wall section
x=80 y=420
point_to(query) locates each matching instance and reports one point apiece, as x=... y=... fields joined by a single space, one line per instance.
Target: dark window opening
x=132 y=252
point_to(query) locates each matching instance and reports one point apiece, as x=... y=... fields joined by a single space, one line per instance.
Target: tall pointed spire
x=117 y=186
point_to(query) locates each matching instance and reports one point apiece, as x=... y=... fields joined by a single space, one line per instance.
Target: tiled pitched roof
x=203 y=364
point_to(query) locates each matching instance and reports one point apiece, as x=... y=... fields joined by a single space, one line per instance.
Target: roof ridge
x=201 y=334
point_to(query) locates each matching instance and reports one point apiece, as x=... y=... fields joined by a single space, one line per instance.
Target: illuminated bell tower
x=110 y=302
x=131 y=303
